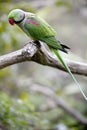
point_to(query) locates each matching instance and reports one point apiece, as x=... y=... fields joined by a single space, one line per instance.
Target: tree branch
x=38 y=53
x=59 y=102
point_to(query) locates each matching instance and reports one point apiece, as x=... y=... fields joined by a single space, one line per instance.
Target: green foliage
x=21 y=113
x=16 y=114
x=65 y=3
x=13 y=113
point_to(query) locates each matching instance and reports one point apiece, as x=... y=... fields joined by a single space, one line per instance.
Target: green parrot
x=40 y=30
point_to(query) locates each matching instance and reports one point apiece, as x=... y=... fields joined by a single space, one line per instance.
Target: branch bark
x=38 y=53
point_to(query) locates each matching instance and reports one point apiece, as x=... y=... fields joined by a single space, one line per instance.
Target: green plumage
x=38 y=29
x=43 y=32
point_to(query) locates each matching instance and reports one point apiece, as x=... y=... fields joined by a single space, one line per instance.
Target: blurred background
x=26 y=89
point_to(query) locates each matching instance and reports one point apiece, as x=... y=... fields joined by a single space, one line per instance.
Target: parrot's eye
x=11 y=21
x=19 y=18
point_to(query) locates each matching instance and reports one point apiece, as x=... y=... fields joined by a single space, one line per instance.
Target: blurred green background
x=22 y=108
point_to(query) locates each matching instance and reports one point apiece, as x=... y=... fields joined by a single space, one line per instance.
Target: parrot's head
x=16 y=16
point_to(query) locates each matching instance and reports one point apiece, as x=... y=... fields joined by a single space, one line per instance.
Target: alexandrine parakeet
x=40 y=30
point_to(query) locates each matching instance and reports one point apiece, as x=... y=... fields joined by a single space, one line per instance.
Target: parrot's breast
x=22 y=26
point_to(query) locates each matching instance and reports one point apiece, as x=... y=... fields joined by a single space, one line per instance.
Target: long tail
x=69 y=71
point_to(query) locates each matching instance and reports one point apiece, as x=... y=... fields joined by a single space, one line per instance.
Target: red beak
x=11 y=21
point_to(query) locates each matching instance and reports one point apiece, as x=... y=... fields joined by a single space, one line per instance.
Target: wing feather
x=38 y=28
x=53 y=43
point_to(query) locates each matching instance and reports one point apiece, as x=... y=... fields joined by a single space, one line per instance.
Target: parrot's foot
x=37 y=43
x=30 y=49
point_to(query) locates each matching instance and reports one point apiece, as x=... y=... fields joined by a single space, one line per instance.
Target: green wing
x=40 y=30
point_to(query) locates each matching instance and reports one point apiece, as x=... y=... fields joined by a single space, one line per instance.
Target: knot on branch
x=30 y=49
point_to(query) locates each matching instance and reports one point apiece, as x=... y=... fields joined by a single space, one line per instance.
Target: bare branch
x=33 y=52
x=59 y=102
x=24 y=54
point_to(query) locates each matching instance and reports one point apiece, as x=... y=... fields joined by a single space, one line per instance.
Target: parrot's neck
x=21 y=25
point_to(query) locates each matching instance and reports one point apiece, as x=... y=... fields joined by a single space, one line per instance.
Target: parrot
x=39 y=30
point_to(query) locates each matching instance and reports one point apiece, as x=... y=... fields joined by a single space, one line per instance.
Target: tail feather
x=69 y=71
x=64 y=47
x=53 y=43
